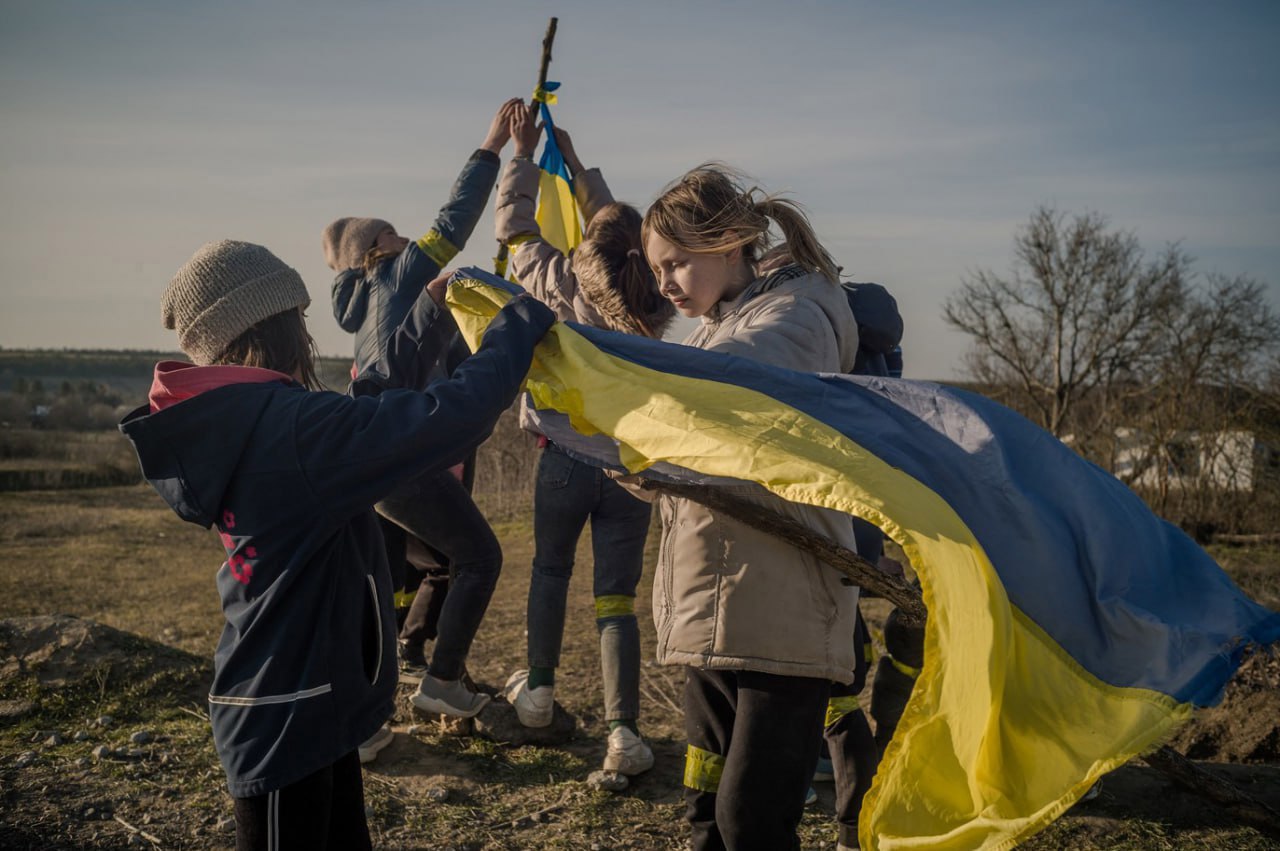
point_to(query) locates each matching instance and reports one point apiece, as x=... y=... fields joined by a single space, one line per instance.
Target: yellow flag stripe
x=964 y=769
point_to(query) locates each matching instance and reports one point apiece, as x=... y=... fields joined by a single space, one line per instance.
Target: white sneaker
x=534 y=706
x=627 y=754
x=448 y=697
x=369 y=748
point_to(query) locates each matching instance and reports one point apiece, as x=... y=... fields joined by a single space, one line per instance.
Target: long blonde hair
x=710 y=210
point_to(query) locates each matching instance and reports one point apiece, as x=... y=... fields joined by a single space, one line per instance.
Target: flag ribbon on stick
x=558 y=216
x=1069 y=629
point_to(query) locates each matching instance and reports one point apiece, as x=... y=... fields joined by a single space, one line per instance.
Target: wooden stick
x=153 y=840
x=547 y=41
x=910 y=604
x=864 y=573
x=1243 y=806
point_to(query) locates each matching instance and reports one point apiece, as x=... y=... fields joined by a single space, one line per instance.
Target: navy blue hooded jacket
x=371 y=305
x=305 y=670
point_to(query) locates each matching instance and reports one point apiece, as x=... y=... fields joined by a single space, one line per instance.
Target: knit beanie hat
x=225 y=289
x=346 y=241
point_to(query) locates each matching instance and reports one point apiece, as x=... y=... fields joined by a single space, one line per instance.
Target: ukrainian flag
x=557 y=215
x=1069 y=629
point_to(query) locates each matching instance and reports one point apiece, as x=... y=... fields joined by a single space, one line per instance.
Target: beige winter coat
x=541 y=269
x=727 y=595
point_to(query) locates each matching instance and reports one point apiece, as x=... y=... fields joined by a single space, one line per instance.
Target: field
x=108 y=621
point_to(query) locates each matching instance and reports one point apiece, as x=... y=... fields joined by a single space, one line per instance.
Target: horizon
x=918 y=139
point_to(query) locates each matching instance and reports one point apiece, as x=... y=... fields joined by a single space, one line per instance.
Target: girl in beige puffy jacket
x=604 y=283
x=762 y=627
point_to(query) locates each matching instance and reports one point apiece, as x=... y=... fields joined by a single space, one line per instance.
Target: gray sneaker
x=448 y=697
x=369 y=748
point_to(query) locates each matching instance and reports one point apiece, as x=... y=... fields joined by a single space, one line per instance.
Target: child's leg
x=757 y=731
x=770 y=760
x=562 y=500
x=324 y=810
x=619 y=526
x=854 y=755
x=461 y=533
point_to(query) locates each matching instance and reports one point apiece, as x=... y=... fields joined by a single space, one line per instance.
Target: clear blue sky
x=918 y=135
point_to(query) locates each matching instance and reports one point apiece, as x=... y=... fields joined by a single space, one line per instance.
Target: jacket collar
x=175 y=381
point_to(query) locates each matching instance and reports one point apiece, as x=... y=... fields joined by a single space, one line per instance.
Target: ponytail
x=612 y=271
x=798 y=235
x=709 y=211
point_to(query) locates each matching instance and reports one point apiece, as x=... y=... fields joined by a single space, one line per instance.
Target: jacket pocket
x=371 y=645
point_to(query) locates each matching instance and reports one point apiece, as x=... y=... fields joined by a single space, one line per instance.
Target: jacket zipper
x=377 y=620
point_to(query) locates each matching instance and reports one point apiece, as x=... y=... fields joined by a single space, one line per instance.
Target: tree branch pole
x=864 y=573
x=547 y=41
x=1247 y=809
x=500 y=261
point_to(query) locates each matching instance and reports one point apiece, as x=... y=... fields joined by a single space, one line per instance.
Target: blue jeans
x=439 y=511
x=568 y=493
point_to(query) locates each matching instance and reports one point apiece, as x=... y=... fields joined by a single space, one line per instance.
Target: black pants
x=752 y=752
x=438 y=511
x=322 y=811
x=854 y=755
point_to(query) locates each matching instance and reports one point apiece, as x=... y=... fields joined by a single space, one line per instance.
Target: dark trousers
x=759 y=730
x=848 y=737
x=322 y=811
x=438 y=510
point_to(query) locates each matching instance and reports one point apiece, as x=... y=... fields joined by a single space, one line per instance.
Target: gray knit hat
x=346 y=241
x=225 y=289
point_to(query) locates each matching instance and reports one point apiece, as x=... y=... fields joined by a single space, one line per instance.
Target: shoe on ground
x=811 y=797
x=824 y=772
x=627 y=753
x=448 y=697
x=369 y=748
x=534 y=706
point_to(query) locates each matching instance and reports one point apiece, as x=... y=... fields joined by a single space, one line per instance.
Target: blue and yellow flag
x=1069 y=629
x=558 y=216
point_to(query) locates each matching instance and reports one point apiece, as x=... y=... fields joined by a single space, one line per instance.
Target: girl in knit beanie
x=305 y=668
x=605 y=283
x=380 y=274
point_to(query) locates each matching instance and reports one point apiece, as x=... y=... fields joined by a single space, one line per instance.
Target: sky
x=918 y=136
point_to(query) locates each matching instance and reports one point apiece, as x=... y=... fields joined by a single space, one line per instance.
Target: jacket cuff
x=486 y=156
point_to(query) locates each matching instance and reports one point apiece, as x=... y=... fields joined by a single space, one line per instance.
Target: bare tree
x=1165 y=380
x=1076 y=315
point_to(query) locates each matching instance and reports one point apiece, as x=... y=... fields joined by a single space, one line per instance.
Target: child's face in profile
x=390 y=241
x=694 y=282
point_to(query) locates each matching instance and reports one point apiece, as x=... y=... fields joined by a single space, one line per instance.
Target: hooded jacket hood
x=193 y=462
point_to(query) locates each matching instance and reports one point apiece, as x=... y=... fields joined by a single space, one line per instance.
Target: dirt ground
x=110 y=618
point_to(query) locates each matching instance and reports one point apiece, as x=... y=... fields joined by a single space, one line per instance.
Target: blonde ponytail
x=710 y=211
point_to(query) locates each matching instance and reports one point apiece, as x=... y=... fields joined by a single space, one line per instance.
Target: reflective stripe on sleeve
x=437 y=247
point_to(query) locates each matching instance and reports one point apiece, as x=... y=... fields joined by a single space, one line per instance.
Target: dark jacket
x=372 y=305
x=305 y=669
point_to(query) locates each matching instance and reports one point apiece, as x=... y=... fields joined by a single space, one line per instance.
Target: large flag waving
x=1069 y=628
x=558 y=216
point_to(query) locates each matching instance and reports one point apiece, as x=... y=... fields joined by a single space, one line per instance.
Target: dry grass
x=120 y=557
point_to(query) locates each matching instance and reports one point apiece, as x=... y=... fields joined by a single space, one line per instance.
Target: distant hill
x=126 y=370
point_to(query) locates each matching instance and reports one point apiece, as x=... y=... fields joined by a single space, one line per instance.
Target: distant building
x=1233 y=460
